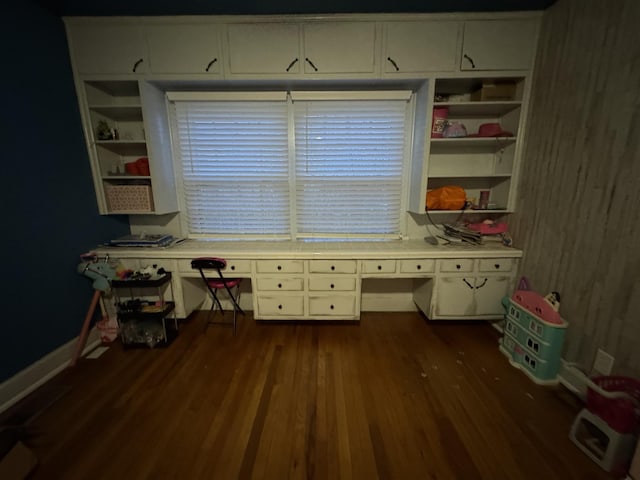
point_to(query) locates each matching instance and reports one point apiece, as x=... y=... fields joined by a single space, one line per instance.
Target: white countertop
x=313 y=249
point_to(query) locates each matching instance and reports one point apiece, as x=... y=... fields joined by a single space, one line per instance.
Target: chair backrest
x=208 y=263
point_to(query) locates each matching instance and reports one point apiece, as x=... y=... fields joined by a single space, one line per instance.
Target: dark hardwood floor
x=393 y=397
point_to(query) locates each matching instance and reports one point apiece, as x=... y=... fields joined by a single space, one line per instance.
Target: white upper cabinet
x=264 y=48
x=108 y=49
x=339 y=48
x=185 y=48
x=418 y=47
x=499 y=44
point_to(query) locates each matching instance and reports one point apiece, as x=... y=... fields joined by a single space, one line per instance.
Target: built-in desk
x=311 y=280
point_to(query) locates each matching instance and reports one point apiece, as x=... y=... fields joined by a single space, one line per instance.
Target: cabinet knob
x=279 y=267
x=458 y=266
x=418 y=267
x=135 y=65
x=279 y=285
x=332 y=285
x=210 y=64
x=331 y=307
x=333 y=267
x=395 y=65
x=279 y=307
x=497 y=265
x=233 y=267
x=379 y=267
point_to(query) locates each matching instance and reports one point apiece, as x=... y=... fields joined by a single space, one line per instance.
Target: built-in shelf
x=478 y=109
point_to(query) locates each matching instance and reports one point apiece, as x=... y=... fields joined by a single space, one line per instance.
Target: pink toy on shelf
x=546 y=308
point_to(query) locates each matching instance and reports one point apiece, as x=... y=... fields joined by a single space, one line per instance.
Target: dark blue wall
x=48 y=202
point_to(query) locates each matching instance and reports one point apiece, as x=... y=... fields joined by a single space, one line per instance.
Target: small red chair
x=216 y=284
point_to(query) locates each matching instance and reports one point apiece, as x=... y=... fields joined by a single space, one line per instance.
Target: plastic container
x=439 y=121
x=621 y=412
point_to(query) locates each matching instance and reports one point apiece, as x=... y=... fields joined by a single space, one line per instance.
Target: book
x=143 y=240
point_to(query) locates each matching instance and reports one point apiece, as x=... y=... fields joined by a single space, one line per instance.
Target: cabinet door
x=416 y=47
x=272 y=48
x=498 y=44
x=347 y=47
x=108 y=49
x=489 y=292
x=455 y=297
x=184 y=49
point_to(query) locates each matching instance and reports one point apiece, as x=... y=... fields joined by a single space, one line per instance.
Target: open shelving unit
x=471 y=162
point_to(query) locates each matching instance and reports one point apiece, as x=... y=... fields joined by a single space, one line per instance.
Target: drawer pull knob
x=279 y=285
x=279 y=307
x=418 y=266
x=279 y=267
x=458 y=266
x=332 y=285
x=233 y=267
x=379 y=267
x=331 y=307
x=497 y=265
x=333 y=267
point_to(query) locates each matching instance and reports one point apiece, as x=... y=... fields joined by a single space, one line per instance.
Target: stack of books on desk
x=145 y=240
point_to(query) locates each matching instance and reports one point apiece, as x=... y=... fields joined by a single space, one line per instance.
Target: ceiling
x=258 y=7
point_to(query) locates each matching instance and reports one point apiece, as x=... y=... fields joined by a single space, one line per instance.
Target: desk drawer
x=456 y=265
x=333 y=305
x=347 y=284
x=417 y=266
x=280 y=305
x=495 y=264
x=378 y=266
x=332 y=266
x=233 y=267
x=283 y=283
x=280 y=266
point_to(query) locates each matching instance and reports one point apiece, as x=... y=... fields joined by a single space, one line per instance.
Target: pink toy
x=546 y=308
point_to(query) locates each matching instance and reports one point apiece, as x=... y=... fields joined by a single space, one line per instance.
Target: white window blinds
x=235 y=166
x=323 y=164
x=349 y=157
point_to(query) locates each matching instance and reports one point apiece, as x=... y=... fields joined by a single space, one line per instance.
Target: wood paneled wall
x=579 y=195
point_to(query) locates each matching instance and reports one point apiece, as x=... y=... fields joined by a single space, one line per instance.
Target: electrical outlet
x=603 y=363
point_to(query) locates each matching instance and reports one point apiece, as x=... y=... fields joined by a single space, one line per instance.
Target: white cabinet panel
x=340 y=47
x=108 y=49
x=283 y=283
x=416 y=47
x=378 y=266
x=280 y=305
x=498 y=44
x=332 y=266
x=455 y=297
x=332 y=283
x=489 y=292
x=184 y=49
x=332 y=305
x=421 y=265
x=269 y=48
x=280 y=266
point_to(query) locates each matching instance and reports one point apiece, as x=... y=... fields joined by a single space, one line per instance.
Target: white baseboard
x=572 y=379
x=26 y=381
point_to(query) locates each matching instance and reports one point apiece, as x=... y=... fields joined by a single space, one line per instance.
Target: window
x=312 y=164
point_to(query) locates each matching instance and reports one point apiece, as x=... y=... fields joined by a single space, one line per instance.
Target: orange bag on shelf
x=446 y=198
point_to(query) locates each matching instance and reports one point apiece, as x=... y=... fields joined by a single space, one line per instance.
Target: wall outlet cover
x=603 y=363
